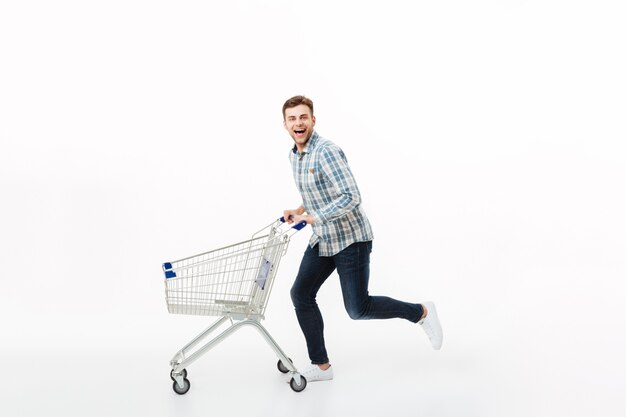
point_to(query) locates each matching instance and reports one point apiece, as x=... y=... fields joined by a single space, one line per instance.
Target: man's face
x=299 y=122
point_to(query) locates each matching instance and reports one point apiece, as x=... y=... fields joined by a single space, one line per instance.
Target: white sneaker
x=314 y=373
x=432 y=326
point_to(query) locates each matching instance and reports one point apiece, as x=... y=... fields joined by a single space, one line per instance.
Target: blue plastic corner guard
x=167 y=266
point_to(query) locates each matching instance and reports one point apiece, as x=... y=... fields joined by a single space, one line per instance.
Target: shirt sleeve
x=345 y=193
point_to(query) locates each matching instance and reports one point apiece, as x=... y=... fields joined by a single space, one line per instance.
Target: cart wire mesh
x=233 y=281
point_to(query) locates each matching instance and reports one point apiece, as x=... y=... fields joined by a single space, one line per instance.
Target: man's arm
x=335 y=166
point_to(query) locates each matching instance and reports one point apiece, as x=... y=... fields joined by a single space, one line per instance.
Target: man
x=341 y=240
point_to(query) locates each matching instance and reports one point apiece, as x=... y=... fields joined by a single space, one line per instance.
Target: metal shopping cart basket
x=233 y=282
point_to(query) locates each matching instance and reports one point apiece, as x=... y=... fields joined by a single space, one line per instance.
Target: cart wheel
x=282 y=368
x=185 y=387
x=295 y=386
x=184 y=373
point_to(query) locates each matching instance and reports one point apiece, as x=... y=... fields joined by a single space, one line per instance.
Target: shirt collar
x=308 y=147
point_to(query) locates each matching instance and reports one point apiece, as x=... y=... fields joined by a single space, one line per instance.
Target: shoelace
x=312 y=370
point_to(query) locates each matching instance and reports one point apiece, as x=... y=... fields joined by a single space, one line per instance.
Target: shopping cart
x=233 y=282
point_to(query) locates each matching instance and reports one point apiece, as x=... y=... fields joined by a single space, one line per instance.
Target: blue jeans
x=352 y=265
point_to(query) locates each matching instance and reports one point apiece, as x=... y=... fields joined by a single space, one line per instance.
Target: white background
x=487 y=140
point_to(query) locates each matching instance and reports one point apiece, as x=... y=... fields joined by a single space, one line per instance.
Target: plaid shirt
x=330 y=194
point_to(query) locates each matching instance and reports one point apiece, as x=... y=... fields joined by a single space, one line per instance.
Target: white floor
x=98 y=367
x=239 y=377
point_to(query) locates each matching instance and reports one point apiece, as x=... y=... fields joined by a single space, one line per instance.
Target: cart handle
x=298 y=226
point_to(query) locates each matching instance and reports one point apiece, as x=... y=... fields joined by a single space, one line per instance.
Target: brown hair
x=296 y=101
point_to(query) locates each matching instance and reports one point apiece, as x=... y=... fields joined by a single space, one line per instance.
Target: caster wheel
x=282 y=368
x=182 y=390
x=184 y=373
x=295 y=386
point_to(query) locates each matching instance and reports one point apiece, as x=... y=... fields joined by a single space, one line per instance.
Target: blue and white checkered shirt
x=330 y=194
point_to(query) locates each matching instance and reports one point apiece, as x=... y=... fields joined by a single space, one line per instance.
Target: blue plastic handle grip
x=298 y=226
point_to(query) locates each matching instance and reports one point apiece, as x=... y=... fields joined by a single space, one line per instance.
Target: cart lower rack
x=233 y=282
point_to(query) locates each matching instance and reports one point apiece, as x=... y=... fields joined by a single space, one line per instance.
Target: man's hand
x=289 y=215
x=303 y=218
x=298 y=216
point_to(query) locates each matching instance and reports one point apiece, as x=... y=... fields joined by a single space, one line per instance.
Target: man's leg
x=314 y=270
x=353 y=268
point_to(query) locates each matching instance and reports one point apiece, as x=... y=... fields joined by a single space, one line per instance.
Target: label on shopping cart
x=263 y=273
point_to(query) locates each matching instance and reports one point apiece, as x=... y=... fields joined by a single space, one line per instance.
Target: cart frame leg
x=181 y=354
x=181 y=360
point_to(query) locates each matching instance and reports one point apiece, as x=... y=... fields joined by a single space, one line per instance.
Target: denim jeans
x=352 y=265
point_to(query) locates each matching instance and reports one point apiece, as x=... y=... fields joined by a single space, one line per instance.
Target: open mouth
x=299 y=132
